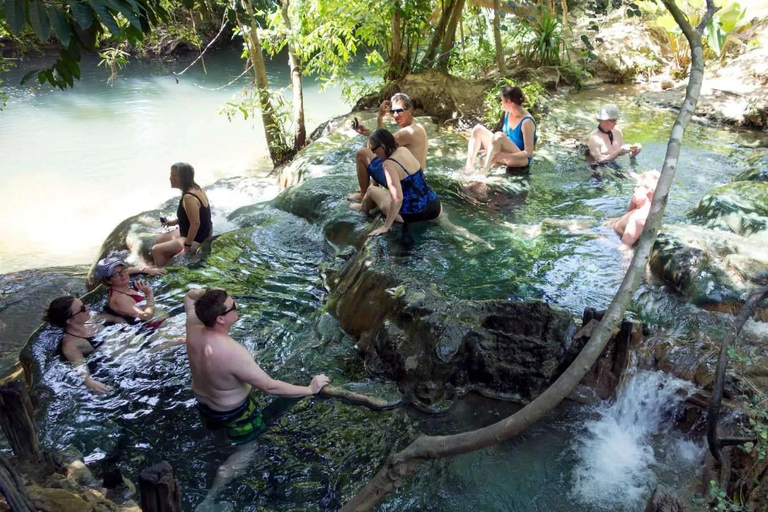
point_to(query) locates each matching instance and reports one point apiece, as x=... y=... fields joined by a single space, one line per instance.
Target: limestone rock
x=639 y=52
x=758 y=168
x=436 y=348
x=712 y=269
x=740 y=207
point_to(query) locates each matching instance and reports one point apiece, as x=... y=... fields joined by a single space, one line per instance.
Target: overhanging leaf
x=82 y=14
x=38 y=17
x=15 y=15
x=105 y=16
x=61 y=28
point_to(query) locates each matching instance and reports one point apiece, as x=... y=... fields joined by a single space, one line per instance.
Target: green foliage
x=248 y=102
x=721 y=501
x=543 y=42
x=535 y=96
x=115 y=59
x=757 y=428
x=77 y=25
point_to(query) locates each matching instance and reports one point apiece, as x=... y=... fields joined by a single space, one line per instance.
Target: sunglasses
x=233 y=308
x=82 y=309
x=374 y=149
x=397 y=111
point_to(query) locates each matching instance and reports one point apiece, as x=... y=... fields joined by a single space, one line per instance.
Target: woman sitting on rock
x=122 y=299
x=72 y=315
x=407 y=197
x=512 y=146
x=193 y=218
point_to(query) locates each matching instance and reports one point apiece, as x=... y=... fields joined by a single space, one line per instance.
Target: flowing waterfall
x=620 y=452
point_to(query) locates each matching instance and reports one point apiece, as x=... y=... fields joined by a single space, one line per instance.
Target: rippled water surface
x=549 y=244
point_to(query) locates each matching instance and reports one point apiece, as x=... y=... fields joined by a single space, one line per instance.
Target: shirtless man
x=223 y=371
x=630 y=225
x=606 y=142
x=411 y=134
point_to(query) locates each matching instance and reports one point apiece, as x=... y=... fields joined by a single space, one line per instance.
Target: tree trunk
x=457 y=6
x=159 y=489
x=16 y=419
x=713 y=415
x=12 y=488
x=497 y=37
x=437 y=36
x=271 y=125
x=400 y=466
x=299 y=128
x=396 y=62
x=564 y=5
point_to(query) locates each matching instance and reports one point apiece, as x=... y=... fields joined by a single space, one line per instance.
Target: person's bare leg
x=459 y=231
x=500 y=143
x=362 y=161
x=231 y=469
x=167 y=236
x=162 y=253
x=382 y=198
x=479 y=138
x=511 y=159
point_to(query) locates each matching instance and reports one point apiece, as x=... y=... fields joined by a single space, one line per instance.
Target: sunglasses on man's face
x=233 y=308
x=83 y=309
x=397 y=111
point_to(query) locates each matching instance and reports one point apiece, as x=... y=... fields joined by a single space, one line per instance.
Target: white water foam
x=621 y=453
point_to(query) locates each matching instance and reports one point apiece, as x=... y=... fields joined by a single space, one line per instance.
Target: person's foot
x=357 y=196
x=357 y=207
x=597 y=175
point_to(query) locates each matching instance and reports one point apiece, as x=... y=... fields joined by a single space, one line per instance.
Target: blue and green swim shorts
x=243 y=423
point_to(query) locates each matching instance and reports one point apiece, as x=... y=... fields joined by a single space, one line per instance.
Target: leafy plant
x=115 y=59
x=544 y=44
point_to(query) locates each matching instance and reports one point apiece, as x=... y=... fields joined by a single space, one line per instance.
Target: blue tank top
x=416 y=193
x=516 y=134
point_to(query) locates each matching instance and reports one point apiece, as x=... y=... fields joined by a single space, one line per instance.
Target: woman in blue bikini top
x=514 y=145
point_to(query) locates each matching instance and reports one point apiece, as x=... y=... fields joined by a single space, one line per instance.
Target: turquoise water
x=77 y=162
x=550 y=244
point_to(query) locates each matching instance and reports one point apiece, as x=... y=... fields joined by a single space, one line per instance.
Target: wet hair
x=383 y=137
x=404 y=99
x=186 y=175
x=58 y=313
x=210 y=306
x=513 y=94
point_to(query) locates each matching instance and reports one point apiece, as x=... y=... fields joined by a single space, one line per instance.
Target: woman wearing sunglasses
x=407 y=197
x=80 y=337
x=130 y=303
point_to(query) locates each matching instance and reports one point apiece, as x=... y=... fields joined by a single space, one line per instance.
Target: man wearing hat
x=606 y=143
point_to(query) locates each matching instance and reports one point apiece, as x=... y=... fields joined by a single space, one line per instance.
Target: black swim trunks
x=243 y=423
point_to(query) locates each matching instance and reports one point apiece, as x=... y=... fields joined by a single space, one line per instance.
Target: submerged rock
x=436 y=348
x=712 y=269
x=740 y=207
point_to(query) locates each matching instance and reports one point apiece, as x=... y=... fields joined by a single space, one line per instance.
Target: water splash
x=619 y=458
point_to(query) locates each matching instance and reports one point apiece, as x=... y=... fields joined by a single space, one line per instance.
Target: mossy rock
x=758 y=168
x=711 y=269
x=740 y=207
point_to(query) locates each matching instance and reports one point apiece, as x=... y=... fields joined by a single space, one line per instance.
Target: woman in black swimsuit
x=70 y=314
x=193 y=218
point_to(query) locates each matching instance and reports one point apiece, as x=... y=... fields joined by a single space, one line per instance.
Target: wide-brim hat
x=609 y=111
x=106 y=267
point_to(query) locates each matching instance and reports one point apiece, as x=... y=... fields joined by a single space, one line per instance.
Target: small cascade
x=621 y=454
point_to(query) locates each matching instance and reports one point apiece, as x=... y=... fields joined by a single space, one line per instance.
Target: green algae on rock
x=740 y=207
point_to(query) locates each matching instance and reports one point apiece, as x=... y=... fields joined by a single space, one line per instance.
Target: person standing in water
x=412 y=135
x=224 y=375
x=193 y=216
x=606 y=142
x=512 y=146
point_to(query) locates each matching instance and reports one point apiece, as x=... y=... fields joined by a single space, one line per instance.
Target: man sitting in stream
x=411 y=135
x=223 y=375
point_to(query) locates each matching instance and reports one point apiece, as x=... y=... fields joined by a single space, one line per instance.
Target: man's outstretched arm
x=246 y=370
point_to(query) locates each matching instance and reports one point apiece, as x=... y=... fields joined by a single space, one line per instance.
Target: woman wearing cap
x=79 y=340
x=123 y=300
x=512 y=146
x=193 y=218
x=606 y=142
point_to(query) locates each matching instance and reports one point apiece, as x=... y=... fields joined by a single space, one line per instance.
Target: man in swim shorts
x=606 y=142
x=411 y=135
x=224 y=372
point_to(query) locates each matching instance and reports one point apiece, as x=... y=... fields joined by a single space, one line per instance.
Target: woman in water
x=193 y=218
x=407 y=197
x=72 y=315
x=122 y=299
x=514 y=145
